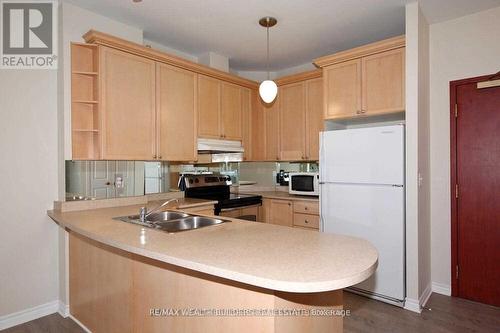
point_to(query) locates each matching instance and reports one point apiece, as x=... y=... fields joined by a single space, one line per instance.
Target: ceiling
x=306 y=29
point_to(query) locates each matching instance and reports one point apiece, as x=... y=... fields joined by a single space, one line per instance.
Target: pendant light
x=268 y=88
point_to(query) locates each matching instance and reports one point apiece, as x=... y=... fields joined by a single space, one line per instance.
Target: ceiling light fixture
x=268 y=88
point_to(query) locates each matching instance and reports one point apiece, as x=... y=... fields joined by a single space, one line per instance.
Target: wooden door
x=475 y=155
x=342 y=89
x=281 y=212
x=272 y=133
x=128 y=100
x=176 y=113
x=314 y=117
x=246 y=123
x=293 y=122
x=257 y=129
x=230 y=111
x=383 y=82
x=209 y=91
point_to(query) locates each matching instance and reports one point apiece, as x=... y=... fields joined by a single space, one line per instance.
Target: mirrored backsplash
x=91 y=180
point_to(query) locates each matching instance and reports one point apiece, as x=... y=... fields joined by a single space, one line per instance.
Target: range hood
x=213 y=146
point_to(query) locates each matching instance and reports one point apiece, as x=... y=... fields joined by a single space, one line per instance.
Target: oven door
x=248 y=213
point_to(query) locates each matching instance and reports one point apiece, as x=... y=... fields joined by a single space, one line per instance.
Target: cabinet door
x=281 y=212
x=257 y=129
x=209 y=107
x=383 y=82
x=128 y=99
x=176 y=113
x=342 y=89
x=272 y=134
x=293 y=122
x=246 y=123
x=231 y=111
x=314 y=117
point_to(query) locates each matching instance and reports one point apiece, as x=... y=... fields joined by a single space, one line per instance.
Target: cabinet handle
x=363 y=111
x=289 y=204
x=159 y=157
x=358 y=112
x=306 y=221
x=305 y=208
x=154 y=157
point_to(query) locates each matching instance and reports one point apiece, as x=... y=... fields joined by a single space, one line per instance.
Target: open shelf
x=85 y=118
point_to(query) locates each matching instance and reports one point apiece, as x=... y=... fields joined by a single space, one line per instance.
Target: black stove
x=217 y=187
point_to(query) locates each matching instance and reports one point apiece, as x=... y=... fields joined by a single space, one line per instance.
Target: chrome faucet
x=144 y=214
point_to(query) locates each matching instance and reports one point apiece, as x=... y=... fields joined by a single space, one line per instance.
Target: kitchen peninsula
x=126 y=278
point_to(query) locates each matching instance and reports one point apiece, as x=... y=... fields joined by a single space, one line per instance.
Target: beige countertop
x=259 y=254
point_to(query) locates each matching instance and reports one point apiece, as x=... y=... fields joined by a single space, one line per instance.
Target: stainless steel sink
x=170 y=221
x=188 y=223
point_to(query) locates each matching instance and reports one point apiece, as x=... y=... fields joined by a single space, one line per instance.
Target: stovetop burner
x=217 y=187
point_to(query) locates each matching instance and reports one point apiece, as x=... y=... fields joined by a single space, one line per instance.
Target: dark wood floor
x=443 y=314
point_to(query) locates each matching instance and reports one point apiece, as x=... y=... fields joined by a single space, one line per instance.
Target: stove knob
x=196 y=180
x=190 y=181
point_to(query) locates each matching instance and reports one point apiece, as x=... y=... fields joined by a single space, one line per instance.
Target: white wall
x=460 y=48
x=29 y=184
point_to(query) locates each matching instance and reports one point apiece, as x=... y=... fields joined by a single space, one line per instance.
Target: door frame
x=453 y=177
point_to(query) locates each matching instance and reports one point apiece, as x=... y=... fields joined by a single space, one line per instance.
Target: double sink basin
x=172 y=221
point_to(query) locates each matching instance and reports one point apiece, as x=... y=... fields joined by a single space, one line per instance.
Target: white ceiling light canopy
x=268 y=88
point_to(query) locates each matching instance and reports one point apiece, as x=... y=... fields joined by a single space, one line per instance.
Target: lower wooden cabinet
x=290 y=213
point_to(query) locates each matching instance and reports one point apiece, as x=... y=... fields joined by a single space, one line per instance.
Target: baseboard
x=412 y=305
x=80 y=324
x=425 y=296
x=441 y=288
x=63 y=309
x=24 y=316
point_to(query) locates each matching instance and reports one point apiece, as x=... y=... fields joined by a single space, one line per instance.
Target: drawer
x=306 y=220
x=306 y=207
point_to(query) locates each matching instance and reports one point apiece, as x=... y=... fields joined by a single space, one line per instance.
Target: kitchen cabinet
x=209 y=107
x=246 y=123
x=176 y=113
x=280 y=212
x=231 y=104
x=368 y=80
x=130 y=102
x=272 y=130
x=293 y=122
x=383 y=82
x=342 y=89
x=314 y=117
x=128 y=106
x=219 y=105
x=257 y=129
x=306 y=214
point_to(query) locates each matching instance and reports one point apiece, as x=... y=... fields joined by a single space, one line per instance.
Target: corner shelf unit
x=85 y=117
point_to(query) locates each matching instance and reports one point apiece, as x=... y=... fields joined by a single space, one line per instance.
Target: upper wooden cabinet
x=383 y=82
x=176 y=113
x=293 y=122
x=342 y=89
x=272 y=130
x=246 y=123
x=257 y=129
x=231 y=104
x=314 y=117
x=219 y=105
x=368 y=80
x=209 y=107
x=128 y=106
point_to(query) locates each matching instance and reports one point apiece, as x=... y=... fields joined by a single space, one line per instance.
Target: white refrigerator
x=362 y=194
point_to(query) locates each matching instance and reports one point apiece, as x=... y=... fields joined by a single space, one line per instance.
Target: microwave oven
x=303 y=183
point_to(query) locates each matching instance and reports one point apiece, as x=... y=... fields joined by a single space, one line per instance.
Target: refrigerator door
x=374 y=213
x=372 y=155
